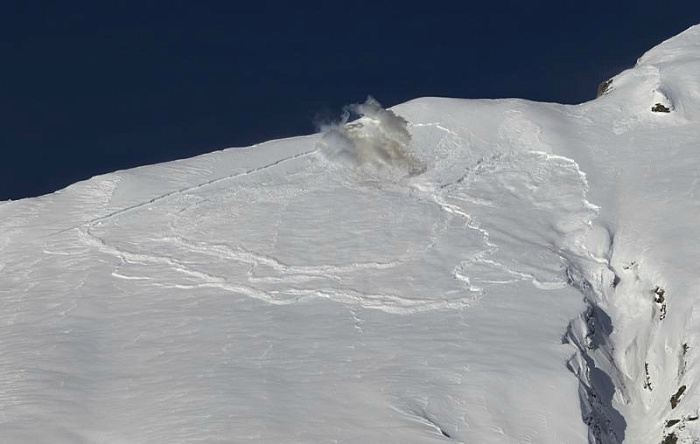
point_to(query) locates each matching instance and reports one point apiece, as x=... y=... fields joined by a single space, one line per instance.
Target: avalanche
x=476 y=271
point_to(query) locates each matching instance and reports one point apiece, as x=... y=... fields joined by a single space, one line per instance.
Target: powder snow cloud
x=378 y=140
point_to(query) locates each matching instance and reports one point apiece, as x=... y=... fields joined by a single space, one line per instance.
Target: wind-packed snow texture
x=475 y=271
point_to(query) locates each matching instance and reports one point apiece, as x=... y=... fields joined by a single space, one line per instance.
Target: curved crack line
x=389 y=303
x=243 y=255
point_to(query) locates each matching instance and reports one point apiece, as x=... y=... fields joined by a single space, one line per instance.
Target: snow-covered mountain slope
x=476 y=271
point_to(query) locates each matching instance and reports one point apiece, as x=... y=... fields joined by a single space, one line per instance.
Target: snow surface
x=476 y=271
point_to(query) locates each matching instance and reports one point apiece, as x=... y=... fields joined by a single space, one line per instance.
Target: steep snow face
x=652 y=203
x=493 y=271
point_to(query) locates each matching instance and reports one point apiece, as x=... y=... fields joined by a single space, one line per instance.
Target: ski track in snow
x=185 y=190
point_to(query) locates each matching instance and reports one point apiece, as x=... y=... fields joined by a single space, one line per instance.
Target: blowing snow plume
x=377 y=141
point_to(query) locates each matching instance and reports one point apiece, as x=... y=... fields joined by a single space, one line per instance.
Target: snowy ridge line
x=185 y=190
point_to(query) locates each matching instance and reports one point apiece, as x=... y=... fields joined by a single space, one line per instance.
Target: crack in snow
x=184 y=190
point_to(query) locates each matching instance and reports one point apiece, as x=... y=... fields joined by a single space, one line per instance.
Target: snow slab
x=475 y=271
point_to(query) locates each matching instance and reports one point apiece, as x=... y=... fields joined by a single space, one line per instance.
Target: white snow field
x=474 y=271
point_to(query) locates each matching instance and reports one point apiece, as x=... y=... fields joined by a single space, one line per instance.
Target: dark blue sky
x=91 y=87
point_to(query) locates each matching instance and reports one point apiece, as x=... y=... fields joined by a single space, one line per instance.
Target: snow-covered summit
x=665 y=75
x=679 y=49
x=491 y=271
